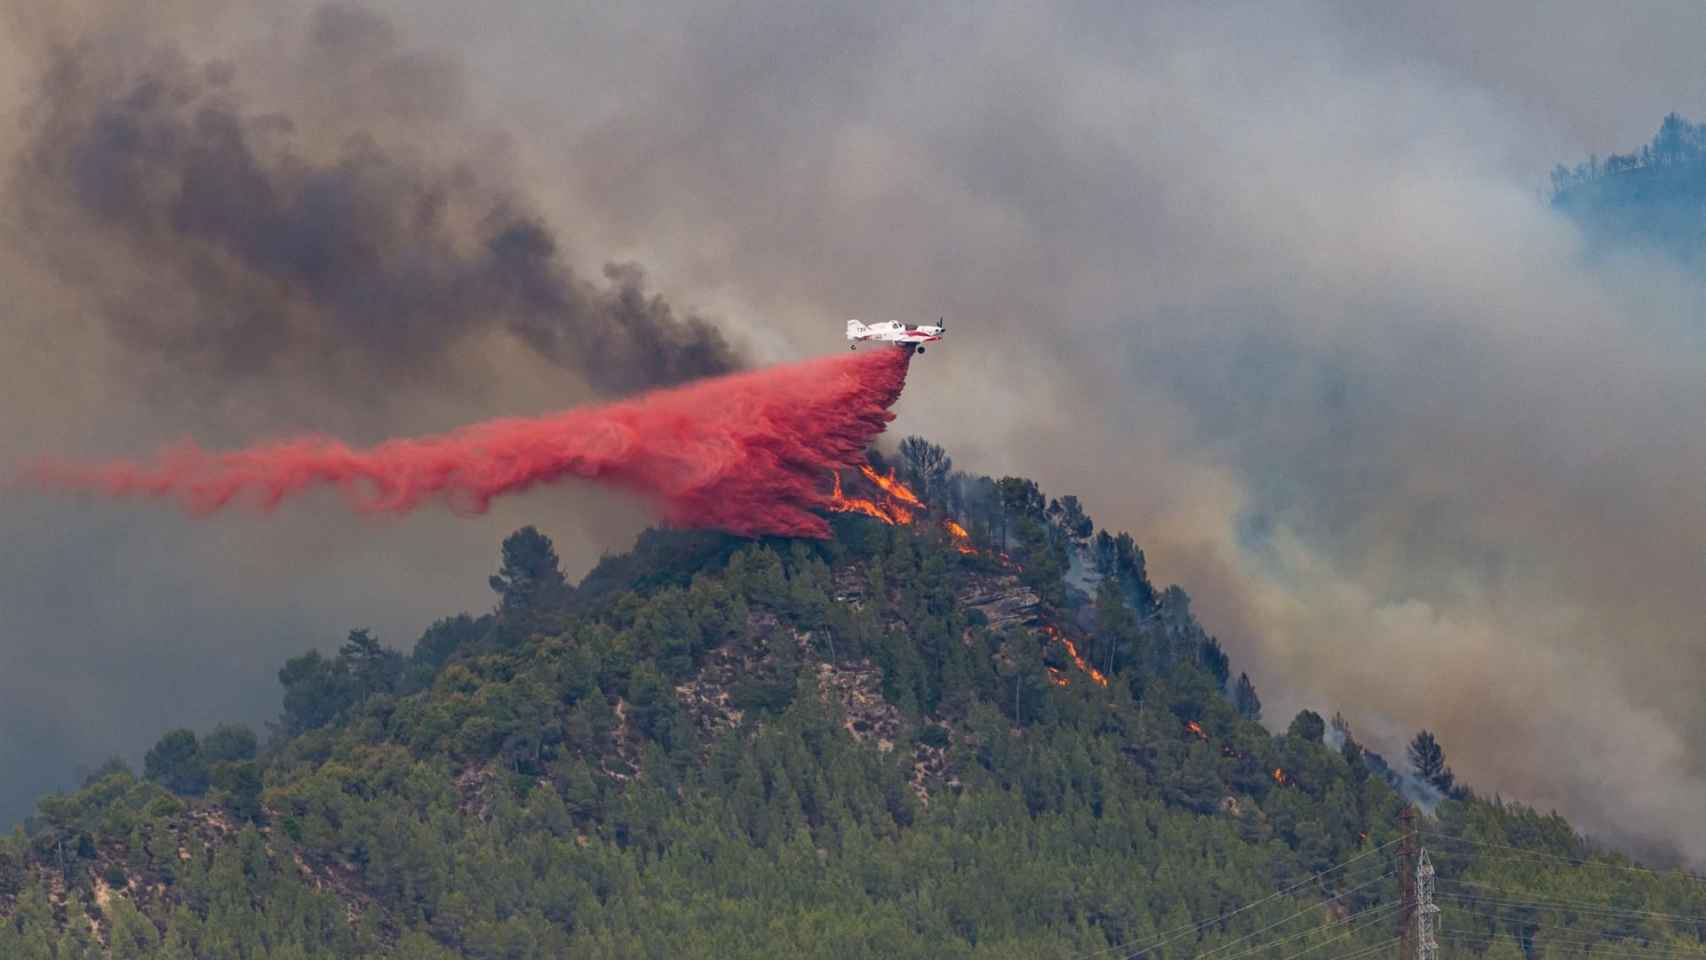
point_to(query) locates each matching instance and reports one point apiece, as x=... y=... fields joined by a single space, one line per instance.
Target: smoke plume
x=745 y=453
x=229 y=239
x=1272 y=286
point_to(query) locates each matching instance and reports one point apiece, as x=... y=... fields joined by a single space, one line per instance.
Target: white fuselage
x=892 y=331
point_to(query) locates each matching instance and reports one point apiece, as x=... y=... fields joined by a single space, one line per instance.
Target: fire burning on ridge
x=1072 y=651
x=1227 y=750
x=899 y=506
x=889 y=485
x=962 y=539
x=892 y=514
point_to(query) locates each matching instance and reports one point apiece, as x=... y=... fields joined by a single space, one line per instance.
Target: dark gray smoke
x=364 y=258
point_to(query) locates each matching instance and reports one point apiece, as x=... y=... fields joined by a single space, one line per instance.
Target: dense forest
x=1653 y=198
x=967 y=726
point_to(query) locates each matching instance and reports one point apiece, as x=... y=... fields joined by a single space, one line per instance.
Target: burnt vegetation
x=982 y=732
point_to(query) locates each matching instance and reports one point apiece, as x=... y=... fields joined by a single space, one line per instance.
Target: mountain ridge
x=919 y=738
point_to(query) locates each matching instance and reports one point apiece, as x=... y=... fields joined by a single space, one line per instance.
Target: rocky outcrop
x=1003 y=601
x=709 y=695
x=857 y=688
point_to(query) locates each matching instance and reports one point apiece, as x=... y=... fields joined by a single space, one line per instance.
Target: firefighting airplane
x=895 y=332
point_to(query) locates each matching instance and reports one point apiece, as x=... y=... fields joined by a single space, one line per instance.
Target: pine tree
x=1427 y=761
x=1309 y=726
x=1244 y=699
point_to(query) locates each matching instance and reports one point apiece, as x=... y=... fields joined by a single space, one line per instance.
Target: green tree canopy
x=176 y=763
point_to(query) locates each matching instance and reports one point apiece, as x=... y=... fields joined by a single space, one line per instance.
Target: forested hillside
x=1652 y=198
x=967 y=726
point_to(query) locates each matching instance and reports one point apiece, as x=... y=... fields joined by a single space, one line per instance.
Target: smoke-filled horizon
x=1271 y=286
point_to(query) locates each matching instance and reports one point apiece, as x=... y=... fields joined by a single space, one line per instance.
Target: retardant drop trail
x=748 y=453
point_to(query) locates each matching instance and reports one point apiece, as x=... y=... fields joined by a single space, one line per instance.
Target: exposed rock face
x=930 y=764
x=199 y=829
x=857 y=688
x=850 y=587
x=473 y=787
x=1003 y=601
x=710 y=697
x=766 y=649
x=706 y=696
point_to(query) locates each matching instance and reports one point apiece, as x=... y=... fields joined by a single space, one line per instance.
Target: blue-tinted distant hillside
x=1653 y=198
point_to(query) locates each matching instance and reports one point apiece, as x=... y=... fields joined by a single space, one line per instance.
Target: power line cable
x=1369 y=913
x=1367 y=951
x=1594 y=946
x=1585 y=905
x=1569 y=906
x=1576 y=861
x=1503 y=914
x=1342 y=936
x=1309 y=909
x=1599 y=947
x=1177 y=932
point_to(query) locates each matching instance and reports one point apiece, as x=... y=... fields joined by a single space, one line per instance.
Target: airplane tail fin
x=854 y=328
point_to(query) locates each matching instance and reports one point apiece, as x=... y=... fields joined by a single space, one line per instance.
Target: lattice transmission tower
x=1427 y=948
x=1418 y=916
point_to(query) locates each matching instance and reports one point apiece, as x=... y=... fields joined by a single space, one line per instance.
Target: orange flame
x=1281 y=777
x=891 y=514
x=1072 y=651
x=959 y=533
x=900 y=507
x=1197 y=729
x=891 y=486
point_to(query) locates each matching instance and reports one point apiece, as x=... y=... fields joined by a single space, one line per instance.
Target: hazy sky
x=1272 y=286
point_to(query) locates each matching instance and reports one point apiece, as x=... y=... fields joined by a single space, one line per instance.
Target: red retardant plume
x=749 y=453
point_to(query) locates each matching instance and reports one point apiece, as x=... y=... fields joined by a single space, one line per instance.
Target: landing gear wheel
x=920 y=349
x=852 y=346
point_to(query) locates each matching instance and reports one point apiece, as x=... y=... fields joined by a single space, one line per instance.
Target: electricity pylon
x=1427 y=948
